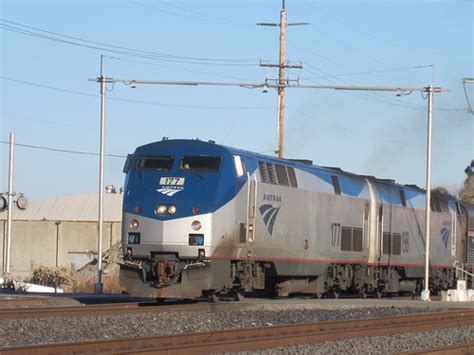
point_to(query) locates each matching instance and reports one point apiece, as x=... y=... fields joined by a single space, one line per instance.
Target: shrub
x=110 y=284
x=54 y=277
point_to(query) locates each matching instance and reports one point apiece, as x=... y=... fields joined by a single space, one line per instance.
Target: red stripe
x=327 y=261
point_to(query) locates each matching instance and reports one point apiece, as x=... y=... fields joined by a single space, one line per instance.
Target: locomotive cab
x=170 y=197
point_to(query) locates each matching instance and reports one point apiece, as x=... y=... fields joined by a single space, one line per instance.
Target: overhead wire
x=182 y=69
x=375 y=95
x=377 y=71
x=59 y=150
x=76 y=41
x=201 y=16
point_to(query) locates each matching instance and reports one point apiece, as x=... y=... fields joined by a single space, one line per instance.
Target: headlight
x=134 y=224
x=196 y=225
x=161 y=209
x=172 y=209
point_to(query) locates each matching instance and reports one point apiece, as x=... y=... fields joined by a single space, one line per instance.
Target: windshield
x=190 y=163
x=163 y=163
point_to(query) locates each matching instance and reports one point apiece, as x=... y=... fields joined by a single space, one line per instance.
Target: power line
x=137 y=101
x=77 y=152
x=181 y=69
x=367 y=96
x=198 y=15
x=76 y=41
x=377 y=71
x=378 y=97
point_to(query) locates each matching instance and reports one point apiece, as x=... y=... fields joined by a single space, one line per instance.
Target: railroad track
x=98 y=309
x=259 y=338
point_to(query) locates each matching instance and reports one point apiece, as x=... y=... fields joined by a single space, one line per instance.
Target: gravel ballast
x=80 y=328
x=380 y=344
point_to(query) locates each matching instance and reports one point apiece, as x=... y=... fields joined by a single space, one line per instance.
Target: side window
x=402 y=198
x=282 y=176
x=443 y=204
x=292 y=176
x=262 y=167
x=435 y=204
x=335 y=184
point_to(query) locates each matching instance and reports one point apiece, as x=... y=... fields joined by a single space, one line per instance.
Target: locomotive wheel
x=362 y=294
x=239 y=296
x=318 y=295
x=214 y=298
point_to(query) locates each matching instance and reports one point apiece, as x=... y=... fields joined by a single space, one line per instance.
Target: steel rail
x=97 y=309
x=258 y=338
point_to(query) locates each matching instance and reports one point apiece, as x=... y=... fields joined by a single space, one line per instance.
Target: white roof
x=83 y=207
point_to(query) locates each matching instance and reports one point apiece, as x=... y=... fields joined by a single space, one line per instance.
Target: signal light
x=22 y=202
x=195 y=210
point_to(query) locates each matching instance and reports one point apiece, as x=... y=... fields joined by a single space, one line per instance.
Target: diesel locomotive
x=202 y=219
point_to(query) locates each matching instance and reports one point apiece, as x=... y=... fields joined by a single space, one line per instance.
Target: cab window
x=199 y=163
x=162 y=163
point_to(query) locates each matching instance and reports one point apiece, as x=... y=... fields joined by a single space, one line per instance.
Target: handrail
x=462 y=270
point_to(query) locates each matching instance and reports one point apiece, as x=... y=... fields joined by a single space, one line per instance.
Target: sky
x=50 y=50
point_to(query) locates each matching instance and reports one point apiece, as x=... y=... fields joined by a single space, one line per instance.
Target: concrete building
x=60 y=231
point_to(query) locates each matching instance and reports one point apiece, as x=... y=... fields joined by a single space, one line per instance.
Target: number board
x=172 y=181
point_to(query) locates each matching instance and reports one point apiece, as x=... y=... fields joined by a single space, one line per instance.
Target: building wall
x=50 y=243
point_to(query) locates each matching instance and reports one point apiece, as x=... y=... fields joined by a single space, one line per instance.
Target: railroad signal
x=3 y=204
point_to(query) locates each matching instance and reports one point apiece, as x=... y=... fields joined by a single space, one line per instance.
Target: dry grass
x=60 y=277
x=69 y=281
x=87 y=285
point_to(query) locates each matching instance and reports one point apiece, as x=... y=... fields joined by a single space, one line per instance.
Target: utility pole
x=101 y=79
x=281 y=81
x=10 y=205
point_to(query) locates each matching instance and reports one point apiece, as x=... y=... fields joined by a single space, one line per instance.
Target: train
x=204 y=220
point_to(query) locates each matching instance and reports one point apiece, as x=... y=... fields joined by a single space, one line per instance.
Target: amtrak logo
x=445 y=233
x=269 y=214
x=171 y=185
x=169 y=190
